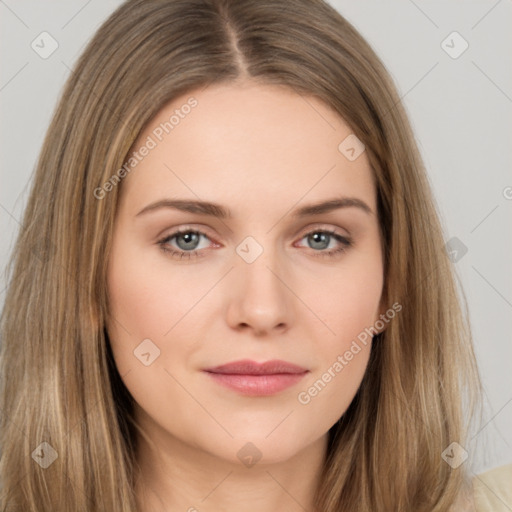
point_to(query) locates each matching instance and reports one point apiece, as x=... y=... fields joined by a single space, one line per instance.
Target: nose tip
x=259 y=301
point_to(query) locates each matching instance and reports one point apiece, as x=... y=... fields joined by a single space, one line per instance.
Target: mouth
x=257 y=379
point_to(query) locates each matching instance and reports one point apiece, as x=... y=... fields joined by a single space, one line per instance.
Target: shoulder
x=492 y=490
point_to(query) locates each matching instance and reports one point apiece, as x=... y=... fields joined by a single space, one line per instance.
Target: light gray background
x=461 y=111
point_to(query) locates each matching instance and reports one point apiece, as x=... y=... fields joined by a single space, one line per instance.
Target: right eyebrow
x=199 y=207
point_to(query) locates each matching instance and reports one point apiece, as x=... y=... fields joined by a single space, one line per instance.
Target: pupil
x=189 y=239
x=320 y=238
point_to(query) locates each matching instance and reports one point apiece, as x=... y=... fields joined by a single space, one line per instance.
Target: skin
x=262 y=151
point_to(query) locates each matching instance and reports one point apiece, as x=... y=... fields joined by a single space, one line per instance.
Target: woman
x=253 y=372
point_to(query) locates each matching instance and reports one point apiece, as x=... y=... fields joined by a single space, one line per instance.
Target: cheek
x=349 y=308
x=151 y=300
x=145 y=300
x=145 y=313
x=139 y=310
x=344 y=351
x=348 y=301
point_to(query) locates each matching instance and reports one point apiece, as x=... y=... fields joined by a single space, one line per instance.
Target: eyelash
x=345 y=242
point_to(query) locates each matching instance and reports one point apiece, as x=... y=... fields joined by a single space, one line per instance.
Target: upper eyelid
x=205 y=232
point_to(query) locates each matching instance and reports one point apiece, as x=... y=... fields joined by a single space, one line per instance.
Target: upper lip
x=248 y=367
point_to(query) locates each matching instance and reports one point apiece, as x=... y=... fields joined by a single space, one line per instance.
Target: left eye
x=320 y=240
x=188 y=239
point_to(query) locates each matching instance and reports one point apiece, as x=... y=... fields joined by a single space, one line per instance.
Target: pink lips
x=257 y=379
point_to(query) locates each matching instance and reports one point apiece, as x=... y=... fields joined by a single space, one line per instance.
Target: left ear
x=387 y=313
x=381 y=322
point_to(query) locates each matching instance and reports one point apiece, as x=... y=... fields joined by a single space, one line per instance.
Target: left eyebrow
x=219 y=211
x=332 y=204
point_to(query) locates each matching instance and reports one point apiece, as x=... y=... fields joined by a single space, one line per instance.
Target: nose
x=261 y=300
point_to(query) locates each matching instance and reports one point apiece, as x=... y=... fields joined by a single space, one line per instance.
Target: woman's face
x=266 y=282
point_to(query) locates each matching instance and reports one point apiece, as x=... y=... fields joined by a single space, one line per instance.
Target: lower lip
x=257 y=385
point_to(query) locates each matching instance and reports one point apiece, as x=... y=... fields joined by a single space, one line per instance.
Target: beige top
x=492 y=490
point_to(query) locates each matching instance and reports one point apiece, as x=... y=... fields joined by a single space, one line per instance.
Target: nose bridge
x=262 y=299
x=260 y=265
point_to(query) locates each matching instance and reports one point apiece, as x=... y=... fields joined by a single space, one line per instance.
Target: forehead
x=247 y=143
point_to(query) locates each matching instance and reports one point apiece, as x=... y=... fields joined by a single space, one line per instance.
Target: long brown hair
x=58 y=383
